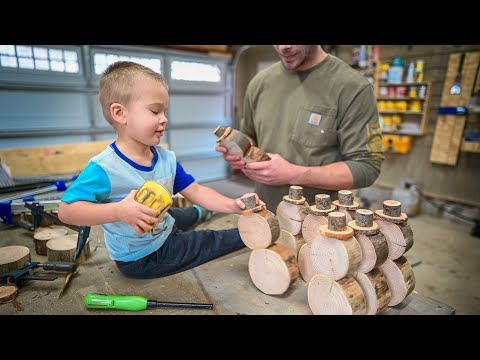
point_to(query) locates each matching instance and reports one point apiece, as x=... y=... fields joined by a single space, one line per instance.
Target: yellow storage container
x=397 y=143
x=155 y=196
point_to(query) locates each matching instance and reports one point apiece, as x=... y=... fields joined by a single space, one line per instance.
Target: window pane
x=8 y=61
x=99 y=59
x=100 y=69
x=70 y=55
x=7 y=49
x=111 y=59
x=55 y=54
x=57 y=65
x=24 y=51
x=25 y=63
x=194 y=71
x=40 y=53
x=42 y=64
x=71 y=66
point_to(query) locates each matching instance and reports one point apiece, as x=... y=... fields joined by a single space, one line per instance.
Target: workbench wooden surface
x=223 y=282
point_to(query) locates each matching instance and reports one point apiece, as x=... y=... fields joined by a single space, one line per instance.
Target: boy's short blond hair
x=117 y=81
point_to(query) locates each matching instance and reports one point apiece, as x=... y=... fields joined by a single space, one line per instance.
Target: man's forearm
x=335 y=176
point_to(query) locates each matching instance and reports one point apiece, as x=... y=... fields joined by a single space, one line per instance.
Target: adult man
x=317 y=119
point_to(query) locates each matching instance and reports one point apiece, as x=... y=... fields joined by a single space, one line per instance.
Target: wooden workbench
x=224 y=282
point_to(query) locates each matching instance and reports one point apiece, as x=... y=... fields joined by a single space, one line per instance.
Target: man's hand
x=137 y=215
x=276 y=171
x=235 y=161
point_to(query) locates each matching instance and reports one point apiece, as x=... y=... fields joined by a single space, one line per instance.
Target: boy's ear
x=117 y=112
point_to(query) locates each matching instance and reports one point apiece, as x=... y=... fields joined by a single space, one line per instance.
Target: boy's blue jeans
x=183 y=249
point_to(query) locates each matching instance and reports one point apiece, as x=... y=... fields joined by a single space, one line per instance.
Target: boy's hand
x=137 y=215
x=241 y=205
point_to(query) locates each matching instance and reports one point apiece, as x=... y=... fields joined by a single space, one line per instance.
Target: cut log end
x=400 y=279
x=311 y=227
x=13 y=258
x=259 y=230
x=330 y=297
x=63 y=249
x=291 y=216
x=305 y=263
x=272 y=270
x=376 y=291
x=8 y=293
x=333 y=258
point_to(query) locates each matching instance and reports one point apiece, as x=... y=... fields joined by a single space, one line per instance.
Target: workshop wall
x=453 y=183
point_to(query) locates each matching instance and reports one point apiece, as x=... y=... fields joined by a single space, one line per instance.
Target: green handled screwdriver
x=133 y=303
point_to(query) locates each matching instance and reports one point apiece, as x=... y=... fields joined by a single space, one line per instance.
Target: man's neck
x=315 y=58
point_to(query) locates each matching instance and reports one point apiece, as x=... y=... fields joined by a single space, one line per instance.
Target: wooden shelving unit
x=395 y=109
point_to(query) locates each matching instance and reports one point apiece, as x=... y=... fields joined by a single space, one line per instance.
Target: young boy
x=134 y=100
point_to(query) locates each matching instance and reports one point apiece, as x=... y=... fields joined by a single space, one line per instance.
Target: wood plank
x=417 y=304
x=224 y=282
x=48 y=150
x=64 y=159
x=471 y=146
x=449 y=129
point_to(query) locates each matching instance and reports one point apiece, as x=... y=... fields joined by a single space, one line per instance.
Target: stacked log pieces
x=237 y=143
x=292 y=210
x=374 y=253
x=394 y=225
x=372 y=242
x=272 y=267
x=335 y=252
x=349 y=269
x=316 y=217
x=346 y=204
x=399 y=235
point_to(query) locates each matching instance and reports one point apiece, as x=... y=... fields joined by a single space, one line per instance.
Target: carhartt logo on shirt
x=315 y=119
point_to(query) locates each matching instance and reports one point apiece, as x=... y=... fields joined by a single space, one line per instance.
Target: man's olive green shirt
x=316 y=117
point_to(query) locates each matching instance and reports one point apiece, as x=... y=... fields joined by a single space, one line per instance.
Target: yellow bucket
x=155 y=196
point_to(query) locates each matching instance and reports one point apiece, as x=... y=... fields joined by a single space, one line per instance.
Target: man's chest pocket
x=315 y=126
